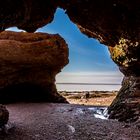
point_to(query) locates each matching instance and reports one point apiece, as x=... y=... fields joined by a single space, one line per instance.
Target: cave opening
x=31 y=63
x=90 y=67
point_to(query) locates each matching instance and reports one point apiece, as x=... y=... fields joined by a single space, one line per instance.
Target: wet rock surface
x=28 y=65
x=47 y=121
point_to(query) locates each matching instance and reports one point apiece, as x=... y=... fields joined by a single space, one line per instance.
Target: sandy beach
x=48 y=121
x=95 y=98
x=85 y=118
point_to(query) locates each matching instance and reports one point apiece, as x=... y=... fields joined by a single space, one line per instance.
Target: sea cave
x=32 y=59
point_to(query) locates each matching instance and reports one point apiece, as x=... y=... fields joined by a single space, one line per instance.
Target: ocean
x=88 y=82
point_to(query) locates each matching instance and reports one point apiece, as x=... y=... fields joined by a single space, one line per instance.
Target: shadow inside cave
x=27 y=92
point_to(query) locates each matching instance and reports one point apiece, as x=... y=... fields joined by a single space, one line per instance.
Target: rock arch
x=114 y=23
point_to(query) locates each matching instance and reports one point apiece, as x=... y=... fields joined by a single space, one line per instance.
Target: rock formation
x=126 y=106
x=28 y=65
x=114 y=23
x=26 y=14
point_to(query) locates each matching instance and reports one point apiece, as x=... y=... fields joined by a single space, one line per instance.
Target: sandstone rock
x=107 y=21
x=28 y=14
x=126 y=106
x=28 y=65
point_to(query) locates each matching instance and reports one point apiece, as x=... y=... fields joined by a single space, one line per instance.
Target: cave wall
x=29 y=63
x=108 y=21
x=28 y=15
x=114 y=23
x=126 y=106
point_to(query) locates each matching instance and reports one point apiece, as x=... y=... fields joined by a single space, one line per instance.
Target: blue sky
x=85 y=54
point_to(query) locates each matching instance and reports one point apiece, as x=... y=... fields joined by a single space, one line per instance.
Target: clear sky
x=85 y=54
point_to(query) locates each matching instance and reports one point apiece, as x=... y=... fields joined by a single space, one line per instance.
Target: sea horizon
x=88 y=82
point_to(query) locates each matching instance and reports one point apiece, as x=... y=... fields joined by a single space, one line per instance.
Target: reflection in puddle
x=100 y=116
x=99 y=112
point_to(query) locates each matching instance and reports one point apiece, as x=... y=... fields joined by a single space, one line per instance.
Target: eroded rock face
x=28 y=65
x=126 y=106
x=108 y=21
x=26 y=14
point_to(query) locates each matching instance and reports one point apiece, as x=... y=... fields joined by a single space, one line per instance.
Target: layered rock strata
x=28 y=65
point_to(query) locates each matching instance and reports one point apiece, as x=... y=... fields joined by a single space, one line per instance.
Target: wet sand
x=48 y=121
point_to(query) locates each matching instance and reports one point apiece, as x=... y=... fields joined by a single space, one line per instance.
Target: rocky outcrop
x=114 y=23
x=127 y=101
x=28 y=65
x=126 y=106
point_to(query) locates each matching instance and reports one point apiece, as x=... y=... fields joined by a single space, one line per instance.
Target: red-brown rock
x=28 y=65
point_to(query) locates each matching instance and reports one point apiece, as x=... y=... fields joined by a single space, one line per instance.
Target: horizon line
x=59 y=83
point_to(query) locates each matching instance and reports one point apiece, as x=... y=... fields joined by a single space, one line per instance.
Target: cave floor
x=48 y=121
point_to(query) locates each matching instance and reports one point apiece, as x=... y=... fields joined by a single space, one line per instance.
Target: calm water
x=73 y=82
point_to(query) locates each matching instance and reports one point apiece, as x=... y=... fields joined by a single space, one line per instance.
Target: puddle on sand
x=99 y=112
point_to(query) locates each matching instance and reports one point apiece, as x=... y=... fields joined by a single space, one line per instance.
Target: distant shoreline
x=99 y=98
x=70 y=87
x=88 y=83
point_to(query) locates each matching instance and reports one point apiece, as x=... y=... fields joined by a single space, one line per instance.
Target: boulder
x=29 y=63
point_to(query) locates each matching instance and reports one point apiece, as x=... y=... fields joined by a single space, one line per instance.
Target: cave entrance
x=90 y=71
x=90 y=67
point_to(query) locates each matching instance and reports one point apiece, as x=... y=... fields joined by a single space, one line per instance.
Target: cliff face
x=29 y=63
x=114 y=23
x=126 y=106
